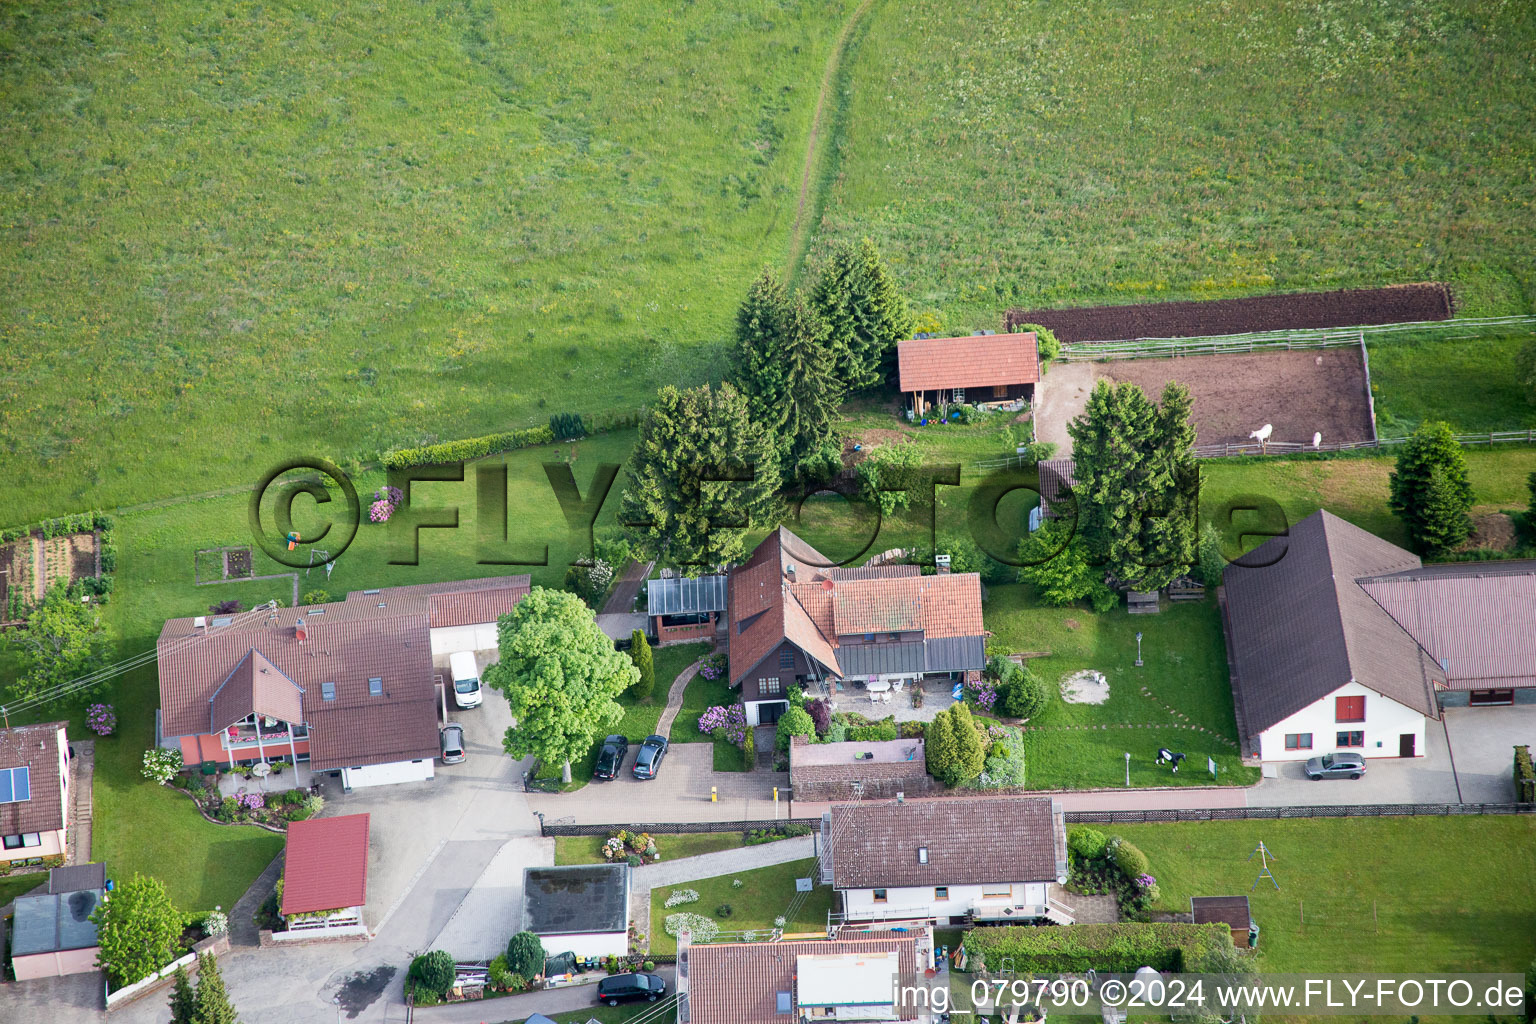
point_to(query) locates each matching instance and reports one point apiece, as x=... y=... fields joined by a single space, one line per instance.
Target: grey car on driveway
x=1335 y=766
x=451 y=740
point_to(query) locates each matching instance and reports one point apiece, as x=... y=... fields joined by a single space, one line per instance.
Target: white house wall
x=918 y=902
x=587 y=944
x=386 y=774
x=1385 y=721
x=452 y=639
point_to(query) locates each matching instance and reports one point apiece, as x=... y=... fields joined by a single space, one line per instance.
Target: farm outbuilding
x=981 y=369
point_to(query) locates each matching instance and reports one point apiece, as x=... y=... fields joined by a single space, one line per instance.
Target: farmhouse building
x=796 y=619
x=34 y=791
x=346 y=686
x=947 y=861
x=850 y=978
x=1340 y=640
x=983 y=369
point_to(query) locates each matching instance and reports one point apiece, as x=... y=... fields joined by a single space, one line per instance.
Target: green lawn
x=1047 y=154
x=589 y=849
x=765 y=895
x=12 y=886
x=1362 y=894
x=232 y=236
x=1468 y=383
x=1084 y=745
x=701 y=695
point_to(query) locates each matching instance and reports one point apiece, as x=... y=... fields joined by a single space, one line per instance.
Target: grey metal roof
x=576 y=900
x=882 y=659
x=1302 y=627
x=76 y=877
x=686 y=596
x=954 y=653
x=54 y=922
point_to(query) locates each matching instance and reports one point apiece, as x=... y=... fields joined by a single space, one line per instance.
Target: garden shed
x=982 y=369
x=325 y=878
x=1231 y=911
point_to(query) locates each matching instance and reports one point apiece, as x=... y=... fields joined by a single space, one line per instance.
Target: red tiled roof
x=256 y=685
x=738 y=982
x=786 y=592
x=969 y=842
x=326 y=864
x=39 y=747
x=983 y=360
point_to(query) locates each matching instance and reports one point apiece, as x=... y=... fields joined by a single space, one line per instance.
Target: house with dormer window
x=34 y=792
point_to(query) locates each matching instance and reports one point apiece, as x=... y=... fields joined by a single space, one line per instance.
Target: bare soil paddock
x=1300 y=393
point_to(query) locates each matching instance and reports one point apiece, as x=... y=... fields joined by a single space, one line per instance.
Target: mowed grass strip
x=765 y=894
x=236 y=235
x=1044 y=154
x=1362 y=894
x=589 y=849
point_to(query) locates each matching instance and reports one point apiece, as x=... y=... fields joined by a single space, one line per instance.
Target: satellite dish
x=261 y=769
x=1061 y=879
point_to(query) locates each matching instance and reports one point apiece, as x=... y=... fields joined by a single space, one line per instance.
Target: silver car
x=1335 y=766
x=452 y=741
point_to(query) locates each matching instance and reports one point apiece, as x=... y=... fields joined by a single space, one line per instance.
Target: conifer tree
x=212 y=1002
x=183 y=999
x=811 y=388
x=640 y=654
x=1429 y=490
x=970 y=754
x=865 y=313
x=762 y=328
x=939 y=747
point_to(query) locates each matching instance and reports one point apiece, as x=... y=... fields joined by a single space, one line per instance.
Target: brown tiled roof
x=384 y=634
x=820 y=764
x=325 y=866
x=982 y=360
x=969 y=842
x=786 y=591
x=255 y=685
x=37 y=747
x=1056 y=476
x=1477 y=620
x=1302 y=627
x=738 y=982
x=1228 y=910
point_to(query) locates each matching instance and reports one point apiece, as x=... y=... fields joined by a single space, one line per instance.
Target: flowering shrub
x=252 y=801
x=713 y=667
x=680 y=896
x=737 y=883
x=982 y=693
x=380 y=511
x=161 y=765
x=702 y=928
x=216 y=923
x=101 y=718
x=1150 y=891
x=614 y=847
x=393 y=495
x=727 y=720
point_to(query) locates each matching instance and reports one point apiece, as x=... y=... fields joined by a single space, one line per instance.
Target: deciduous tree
x=62 y=641
x=681 y=504
x=865 y=313
x=138 y=930
x=561 y=676
x=525 y=956
x=1429 y=490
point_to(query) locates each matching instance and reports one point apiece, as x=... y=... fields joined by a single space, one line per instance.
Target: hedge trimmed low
x=468 y=448
x=1113 y=948
x=1525 y=776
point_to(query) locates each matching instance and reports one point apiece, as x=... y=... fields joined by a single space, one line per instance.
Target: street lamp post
x=1138 y=650
x=1127 y=768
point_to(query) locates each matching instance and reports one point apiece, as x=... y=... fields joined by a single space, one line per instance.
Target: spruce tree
x=1429 y=490
x=939 y=748
x=640 y=654
x=762 y=328
x=183 y=999
x=212 y=1002
x=811 y=388
x=970 y=753
x=865 y=313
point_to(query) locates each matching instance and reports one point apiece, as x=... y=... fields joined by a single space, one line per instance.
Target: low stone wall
x=216 y=945
x=353 y=933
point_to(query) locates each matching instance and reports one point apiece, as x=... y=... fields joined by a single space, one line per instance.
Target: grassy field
x=1363 y=894
x=765 y=894
x=1081 y=746
x=235 y=235
x=1469 y=384
x=1052 y=154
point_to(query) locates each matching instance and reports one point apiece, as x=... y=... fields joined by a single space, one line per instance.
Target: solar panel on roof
x=222 y=620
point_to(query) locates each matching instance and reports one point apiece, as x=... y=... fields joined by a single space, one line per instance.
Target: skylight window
x=15 y=785
x=376 y=687
x=922 y=855
x=327 y=691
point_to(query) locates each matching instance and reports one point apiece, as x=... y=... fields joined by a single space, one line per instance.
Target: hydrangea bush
x=161 y=765
x=680 y=896
x=703 y=929
x=727 y=720
x=101 y=718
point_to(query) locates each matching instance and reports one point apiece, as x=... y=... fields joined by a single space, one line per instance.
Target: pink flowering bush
x=982 y=693
x=380 y=511
x=727 y=720
x=101 y=718
x=252 y=801
x=713 y=668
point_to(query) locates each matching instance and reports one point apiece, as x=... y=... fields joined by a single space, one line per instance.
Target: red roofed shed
x=982 y=369
x=325 y=869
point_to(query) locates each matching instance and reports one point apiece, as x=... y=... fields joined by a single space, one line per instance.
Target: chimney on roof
x=201 y=622
x=789 y=570
x=300 y=632
x=827 y=584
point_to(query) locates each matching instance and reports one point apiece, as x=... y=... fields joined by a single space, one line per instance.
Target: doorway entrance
x=1405 y=745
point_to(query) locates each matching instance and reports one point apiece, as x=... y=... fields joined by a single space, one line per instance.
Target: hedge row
x=1525 y=776
x=468 y=448
x=1114 y=948
x=79 y=522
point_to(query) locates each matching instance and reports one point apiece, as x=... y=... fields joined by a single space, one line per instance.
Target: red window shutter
x=1349 y=709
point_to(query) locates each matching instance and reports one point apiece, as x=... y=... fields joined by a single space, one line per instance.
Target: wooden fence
x=1261 y=341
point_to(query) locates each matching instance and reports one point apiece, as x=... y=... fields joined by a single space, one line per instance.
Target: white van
x=466 y=679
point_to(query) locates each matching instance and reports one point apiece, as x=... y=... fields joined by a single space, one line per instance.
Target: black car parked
x=610 y=761
x=648 y=760
x=627 y=988
x=1335 y=766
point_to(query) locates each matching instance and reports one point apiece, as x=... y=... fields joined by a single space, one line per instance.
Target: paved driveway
x=1387 y=780
x=1481 y=741
x=680 y=792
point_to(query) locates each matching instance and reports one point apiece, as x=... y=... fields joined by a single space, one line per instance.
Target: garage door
x=451 y=639
x=386 y=774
